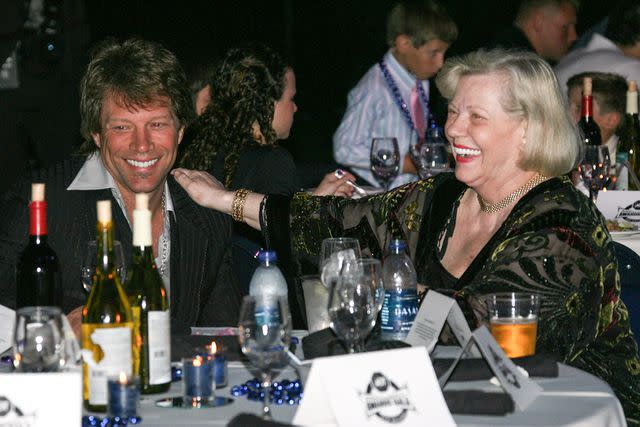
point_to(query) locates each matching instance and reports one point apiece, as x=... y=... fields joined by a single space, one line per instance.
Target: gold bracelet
x=237 y=207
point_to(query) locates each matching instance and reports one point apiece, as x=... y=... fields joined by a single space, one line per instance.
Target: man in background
x=609 y=103
x=546 y=27
x=392 y=99
x=618 y=51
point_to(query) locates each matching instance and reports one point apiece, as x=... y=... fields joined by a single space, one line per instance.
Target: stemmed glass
x=355 y=300
x=332 y=255
x=431 y=157
x=264 y=335
x=39 y=340
x=595 y=169
x=89 y=263
x=385 y=160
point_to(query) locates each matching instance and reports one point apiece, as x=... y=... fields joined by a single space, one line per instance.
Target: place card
x=620 y=204
x=377 y=389
x=522 y=389
x=436 y=309
x=39 y=400
x=7 y=321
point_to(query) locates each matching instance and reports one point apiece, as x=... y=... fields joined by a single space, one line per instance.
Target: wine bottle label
x=106 y=353
x=159 y=347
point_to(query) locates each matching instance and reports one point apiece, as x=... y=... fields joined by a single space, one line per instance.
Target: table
x=575 y=398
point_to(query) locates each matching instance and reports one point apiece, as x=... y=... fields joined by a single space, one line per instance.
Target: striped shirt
x=372 y=111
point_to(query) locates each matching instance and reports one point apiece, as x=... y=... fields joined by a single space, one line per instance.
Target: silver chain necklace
x=163 y=237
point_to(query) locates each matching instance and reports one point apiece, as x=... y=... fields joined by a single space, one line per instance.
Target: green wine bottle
x=150 y=305
x=107 y=321
x=629 y=134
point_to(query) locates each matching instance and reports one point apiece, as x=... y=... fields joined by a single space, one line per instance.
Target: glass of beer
x=513 y=319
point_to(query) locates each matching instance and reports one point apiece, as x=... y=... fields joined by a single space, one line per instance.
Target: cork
x=37 y=192
x=104 y=211
x=142 y=201
x=633 y=86
x=587 y=85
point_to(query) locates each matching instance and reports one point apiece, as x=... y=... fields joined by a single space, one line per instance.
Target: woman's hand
x=208 y=192
x=204 y=189
x=334 y=184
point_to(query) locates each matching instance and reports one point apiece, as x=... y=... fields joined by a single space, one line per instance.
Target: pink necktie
x=417 y=113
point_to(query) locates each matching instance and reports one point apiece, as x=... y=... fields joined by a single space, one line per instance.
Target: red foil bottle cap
x=38 y=218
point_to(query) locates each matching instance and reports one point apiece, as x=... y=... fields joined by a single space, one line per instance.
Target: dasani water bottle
x=400 y=295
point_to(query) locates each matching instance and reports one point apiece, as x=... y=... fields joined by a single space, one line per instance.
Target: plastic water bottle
x=400 y=295
x=267 y=284
x=267 y=280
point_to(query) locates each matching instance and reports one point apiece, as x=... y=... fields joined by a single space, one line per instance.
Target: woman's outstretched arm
x=208 y=192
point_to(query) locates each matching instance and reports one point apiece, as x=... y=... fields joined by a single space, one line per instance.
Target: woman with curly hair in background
x=236 y=137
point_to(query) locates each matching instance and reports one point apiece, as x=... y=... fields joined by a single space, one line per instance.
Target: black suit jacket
x=203 y=289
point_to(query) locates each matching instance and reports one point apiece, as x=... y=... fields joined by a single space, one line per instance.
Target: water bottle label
x=267 y=316
x=398 y=311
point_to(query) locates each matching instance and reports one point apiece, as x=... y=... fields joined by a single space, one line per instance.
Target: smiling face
x=138 y=146
x=285 y=107
x=486 y=140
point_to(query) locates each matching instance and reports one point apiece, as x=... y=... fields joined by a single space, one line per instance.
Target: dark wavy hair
x=136 y=72
x=244 y=89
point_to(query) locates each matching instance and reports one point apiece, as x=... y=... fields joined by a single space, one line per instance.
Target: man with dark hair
x=609 y=103
x=546 y=27
x=135 y=104
x=392 y=99
x=618 y=51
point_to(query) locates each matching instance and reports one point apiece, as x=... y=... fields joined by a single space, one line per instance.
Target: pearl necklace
x=487 y=207
x=398 y=97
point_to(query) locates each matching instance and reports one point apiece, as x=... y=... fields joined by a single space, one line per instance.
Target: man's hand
x=75 y=320
x=408 y=166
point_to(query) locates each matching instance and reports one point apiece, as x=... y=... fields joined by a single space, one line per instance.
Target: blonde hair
x=531 y=92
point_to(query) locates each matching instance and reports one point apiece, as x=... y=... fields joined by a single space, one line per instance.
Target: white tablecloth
x=575 y=398
x=630 y=240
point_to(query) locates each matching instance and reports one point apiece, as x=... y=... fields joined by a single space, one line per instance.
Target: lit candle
x=196 y=380
x=219 y=361
x=124 y=395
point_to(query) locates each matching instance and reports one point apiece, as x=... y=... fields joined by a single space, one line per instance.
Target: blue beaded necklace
x=398 y=98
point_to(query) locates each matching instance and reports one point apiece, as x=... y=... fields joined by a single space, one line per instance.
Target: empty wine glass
x=354 y=302
x=332 y=254
x=89 y=263
x=431 y=157
x=39 y=340
x=595 y=169
x=385 y=160
x=264 y=335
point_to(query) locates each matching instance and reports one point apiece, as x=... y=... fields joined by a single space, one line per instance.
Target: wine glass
x=39 y=340
x=89 y=263
x=385 y=160
x=264 y=335
x=595 y=169
x=431 y=157
x=354 y=302
x=333 y=253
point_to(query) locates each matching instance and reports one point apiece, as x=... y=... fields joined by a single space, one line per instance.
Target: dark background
x=330 y=43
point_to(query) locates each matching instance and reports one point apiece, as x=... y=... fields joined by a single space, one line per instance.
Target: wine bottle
x=38 y=269
x=588 y=127
x=629 y=134
x=107 y=322
x=150 y=306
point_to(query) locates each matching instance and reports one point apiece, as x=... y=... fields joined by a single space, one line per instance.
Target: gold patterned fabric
x=553 y=243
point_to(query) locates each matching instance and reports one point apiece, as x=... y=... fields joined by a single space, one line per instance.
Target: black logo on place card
x=631 y=213
x=11 y=415
x=384 y=399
